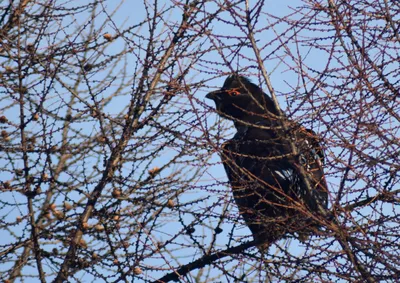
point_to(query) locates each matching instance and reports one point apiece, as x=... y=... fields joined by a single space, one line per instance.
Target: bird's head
x=241 y=100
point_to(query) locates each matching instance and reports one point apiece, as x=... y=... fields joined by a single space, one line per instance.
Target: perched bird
x=262 y=170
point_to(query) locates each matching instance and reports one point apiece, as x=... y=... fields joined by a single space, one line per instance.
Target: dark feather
x=241 y=100
x=262 y=172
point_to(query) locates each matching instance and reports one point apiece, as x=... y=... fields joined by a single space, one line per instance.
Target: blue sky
x=211 y=71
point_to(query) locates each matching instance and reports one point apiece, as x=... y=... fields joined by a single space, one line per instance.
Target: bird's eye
x=233 y=91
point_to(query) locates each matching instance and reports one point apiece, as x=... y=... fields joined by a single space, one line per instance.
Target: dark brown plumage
x=261 y=168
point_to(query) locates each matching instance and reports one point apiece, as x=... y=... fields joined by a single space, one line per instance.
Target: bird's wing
x=313 y=159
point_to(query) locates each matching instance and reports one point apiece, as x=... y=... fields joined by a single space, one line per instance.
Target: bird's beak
x=212 y=95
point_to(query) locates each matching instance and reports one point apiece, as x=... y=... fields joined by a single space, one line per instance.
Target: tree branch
x=201 y=262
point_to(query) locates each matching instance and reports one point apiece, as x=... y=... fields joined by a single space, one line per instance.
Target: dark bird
x=272 y=197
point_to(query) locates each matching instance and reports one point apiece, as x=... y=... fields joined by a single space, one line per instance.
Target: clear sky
x=277 y=62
